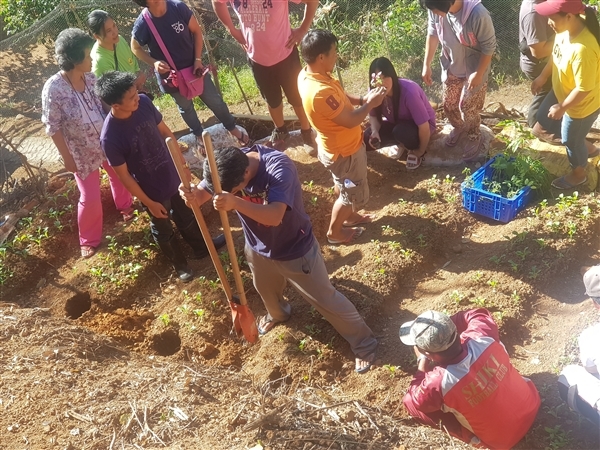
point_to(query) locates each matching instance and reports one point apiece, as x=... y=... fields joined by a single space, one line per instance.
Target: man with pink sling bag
x=174 y=40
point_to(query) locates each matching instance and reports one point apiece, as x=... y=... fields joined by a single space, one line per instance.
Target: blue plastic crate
x=479 y=201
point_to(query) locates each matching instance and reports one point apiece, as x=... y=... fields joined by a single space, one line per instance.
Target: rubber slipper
x=265 y=324
x=245 y=139
x=87 y=251
x=413 y=161
x=472 y=150
x=453 y=137
x=370 y=360
x=128 y=214
x=356 y=232
x=563 y=184
x=367 y=218
x=595 y=153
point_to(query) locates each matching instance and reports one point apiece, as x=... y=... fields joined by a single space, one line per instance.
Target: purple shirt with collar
x=276 y=180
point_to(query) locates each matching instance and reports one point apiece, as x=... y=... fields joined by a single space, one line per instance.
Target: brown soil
x=114 y=352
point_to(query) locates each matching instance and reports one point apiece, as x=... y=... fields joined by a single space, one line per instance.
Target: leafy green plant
x=456 y=296
x=493 y=283
x=558 y=438
x=513 y=265
x=312 y=329
x=164 y=318
x=523 y=253
x=391 y=369
x=199 y=313
x=512 y=172
x=302 y=344
x=534 y=272
x=479 y=301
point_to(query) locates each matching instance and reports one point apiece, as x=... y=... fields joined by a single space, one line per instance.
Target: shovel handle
x=210 y=155
x=177 y=160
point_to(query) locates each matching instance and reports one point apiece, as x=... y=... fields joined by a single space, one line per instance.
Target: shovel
x=246 y=318
x=233 y=304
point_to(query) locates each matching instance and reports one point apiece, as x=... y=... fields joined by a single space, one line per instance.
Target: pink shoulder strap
x=161 y=44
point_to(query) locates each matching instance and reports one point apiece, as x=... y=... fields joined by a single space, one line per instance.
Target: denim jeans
x=162 y=229
x=211 y=98
x=572 y=132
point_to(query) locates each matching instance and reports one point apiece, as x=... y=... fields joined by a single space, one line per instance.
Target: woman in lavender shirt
x=404 y=119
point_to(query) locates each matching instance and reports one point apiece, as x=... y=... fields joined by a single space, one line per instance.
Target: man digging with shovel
x=262 y=186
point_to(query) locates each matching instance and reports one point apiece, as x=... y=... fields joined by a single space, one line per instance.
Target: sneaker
x=310 y=146
x=279 y=137
x=183 y=271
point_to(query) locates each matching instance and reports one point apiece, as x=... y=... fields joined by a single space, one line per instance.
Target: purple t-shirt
x=276 y=181
x=137 y=142
x=174 y=31
x=413 y=105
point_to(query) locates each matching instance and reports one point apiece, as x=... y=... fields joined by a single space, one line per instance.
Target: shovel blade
x=244 y=322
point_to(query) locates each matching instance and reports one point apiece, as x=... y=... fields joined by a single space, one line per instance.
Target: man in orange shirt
x=331 y=112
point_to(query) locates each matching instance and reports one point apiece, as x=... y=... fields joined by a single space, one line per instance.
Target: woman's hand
x=161 y=67
x=375 y=137
x=475 y=80
x=556 y=112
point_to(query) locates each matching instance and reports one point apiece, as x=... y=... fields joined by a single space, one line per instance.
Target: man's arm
x=270 y=215
x=350 y=118
x=156 y=209
x=297 y=34
x=431 y=45
x=541 y=50
x=143 y=55
x=478 y=322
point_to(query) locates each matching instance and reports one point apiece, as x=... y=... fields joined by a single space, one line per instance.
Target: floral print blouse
x=79 y=116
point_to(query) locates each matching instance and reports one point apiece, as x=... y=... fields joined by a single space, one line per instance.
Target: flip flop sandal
x=453 y=137
x=370 y=360
x=367 y=218
x=594 y=153
x=472 y=150
x=128 y=214
x=413 y=161
x=562 y=184
x=245 y=139
x=356 y=232
x=87 y=251
x=265 y=324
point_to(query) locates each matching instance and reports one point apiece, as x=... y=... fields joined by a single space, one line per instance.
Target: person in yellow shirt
x=569 y=110
x=332 y=113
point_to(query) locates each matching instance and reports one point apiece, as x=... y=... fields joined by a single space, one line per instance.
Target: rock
x=457 y=248
x=19 y=116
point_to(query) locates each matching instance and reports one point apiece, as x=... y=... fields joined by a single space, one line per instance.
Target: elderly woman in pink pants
x=74 y=116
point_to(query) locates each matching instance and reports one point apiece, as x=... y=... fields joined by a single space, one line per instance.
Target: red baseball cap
x=550 y=7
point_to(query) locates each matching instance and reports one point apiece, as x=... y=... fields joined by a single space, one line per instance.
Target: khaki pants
x=309 y=276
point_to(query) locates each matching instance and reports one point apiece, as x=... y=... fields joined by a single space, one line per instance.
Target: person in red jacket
x=465 y=380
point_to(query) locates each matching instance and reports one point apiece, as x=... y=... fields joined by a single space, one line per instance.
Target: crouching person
x=465 y=380
x=133 y=138
x=579 y=386
x=261 y=184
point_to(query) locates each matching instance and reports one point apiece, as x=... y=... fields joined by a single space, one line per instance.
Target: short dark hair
x=440 y=5
x=70 y=47
x=317 y=42
x=451 y=352
x=142 y=3
x=112 y=86
x=96 y=20
x=231 y=164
